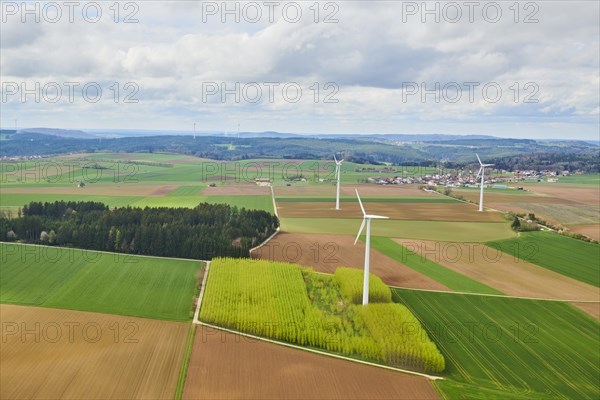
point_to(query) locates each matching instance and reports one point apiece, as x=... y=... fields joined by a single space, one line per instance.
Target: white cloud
x=369 y=53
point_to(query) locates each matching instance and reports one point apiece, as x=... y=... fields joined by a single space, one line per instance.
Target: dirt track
x=501 y=271
x=101 y=361
x=325 y=253
x=227 y=366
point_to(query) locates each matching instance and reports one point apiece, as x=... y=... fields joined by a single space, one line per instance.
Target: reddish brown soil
x=501 y=271
x=578 y=194
x=593 y=309
x=591 y=231
x=405 y=211
x=116 y=358
x=227 y=366
x=324 y=253
x=122 y=189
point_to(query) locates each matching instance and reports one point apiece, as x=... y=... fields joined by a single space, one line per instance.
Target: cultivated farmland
x=432 y=230
x=95 y=281
x=225 y=365
x=285 y=302
x=76 y=355
x=401 y=210
x=570 y=257
x=510 y=348
x=446 y=276
x=502 y=271
x=325 y=253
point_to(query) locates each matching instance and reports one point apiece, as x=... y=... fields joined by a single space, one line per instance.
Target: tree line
x=203 y=232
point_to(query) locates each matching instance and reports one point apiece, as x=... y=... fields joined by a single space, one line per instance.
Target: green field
x=570 y=257
x=443 y=275
x=249 y=202
x=429 y=230
x=253 y=202
x=84 y=280
x=576 y=180
x=502 y=348
x=294 y=304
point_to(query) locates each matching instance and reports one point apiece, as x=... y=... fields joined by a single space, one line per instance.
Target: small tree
x=52 y=237
x=516 y=224
x=11 y=235
x=44 y=236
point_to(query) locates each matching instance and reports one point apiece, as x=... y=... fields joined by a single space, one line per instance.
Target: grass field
x=433 y=230
x=250 y=202
x=83 y=355
x=573 y=258
x=502 y=348
x=445 y=276
x=102 y=282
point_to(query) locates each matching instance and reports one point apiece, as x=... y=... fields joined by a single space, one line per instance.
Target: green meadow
x=503 y=348
x=85 y=280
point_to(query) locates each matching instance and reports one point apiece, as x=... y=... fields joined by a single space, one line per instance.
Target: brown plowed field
x=324 y=253
x=405 y=211
x=510 y=197
x=99 y=190
x=510 y=276
x=228 y=366
x=592 y=309
x=591 y=231
x=236 y=190
x=365 y=190
x=82 y=355
x=385 y=190
x=585 y=195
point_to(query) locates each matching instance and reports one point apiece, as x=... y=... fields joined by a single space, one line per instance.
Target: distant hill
x=65 y=133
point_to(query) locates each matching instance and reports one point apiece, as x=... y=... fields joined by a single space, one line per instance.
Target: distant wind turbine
x=482 y=173
x=366 y=219
x=338 y=168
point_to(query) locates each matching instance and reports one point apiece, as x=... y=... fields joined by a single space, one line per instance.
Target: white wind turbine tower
x=338 y=171
x=482 y=173
x=366 y=218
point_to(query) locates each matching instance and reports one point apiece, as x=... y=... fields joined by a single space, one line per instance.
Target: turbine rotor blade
x=362 y=226
x=360 y=202
x=335 y=159
x=376 y=217
x=478 y=159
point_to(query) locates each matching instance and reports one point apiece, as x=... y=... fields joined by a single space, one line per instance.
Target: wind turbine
x=482 y=173
x=338 y=168
x=366 y=219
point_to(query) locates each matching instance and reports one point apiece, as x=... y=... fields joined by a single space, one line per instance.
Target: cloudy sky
x=530 y=70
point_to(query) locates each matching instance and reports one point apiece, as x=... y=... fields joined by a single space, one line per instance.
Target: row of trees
x=202 y=232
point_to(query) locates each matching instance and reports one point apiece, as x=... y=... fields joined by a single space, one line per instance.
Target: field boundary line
x=267 y=240
x=495 y=295
x=489 y=208
x=106 y=252
x=323 y=353
x=201 y=296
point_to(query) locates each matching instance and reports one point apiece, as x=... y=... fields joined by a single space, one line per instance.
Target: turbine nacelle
x=365 y=217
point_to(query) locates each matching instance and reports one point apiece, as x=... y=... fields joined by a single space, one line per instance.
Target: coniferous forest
x=203 y=232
